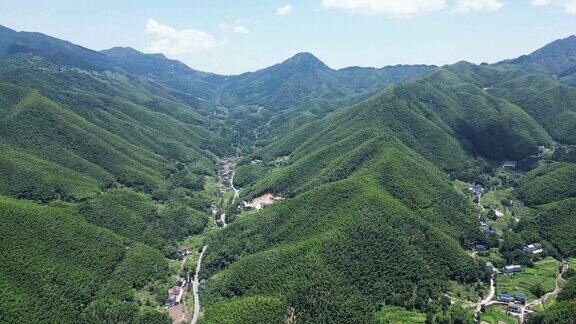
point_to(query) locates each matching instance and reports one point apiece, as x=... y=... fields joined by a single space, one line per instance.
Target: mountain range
x=113 y=160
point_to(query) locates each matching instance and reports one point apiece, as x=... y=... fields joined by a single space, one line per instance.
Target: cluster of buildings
x=517 y=297
x=514 y=301
x=183 y=282
x=534 y=248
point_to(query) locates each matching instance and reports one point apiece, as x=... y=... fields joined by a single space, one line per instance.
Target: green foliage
x=248 y=173
x=568 y=292
x=121 y=143
x=254 y=309
x=563 y=312
x=135 y=216
x=55 y=264
x=394 y=314
x=549 y=183
x=557 y=225
x=348 y=243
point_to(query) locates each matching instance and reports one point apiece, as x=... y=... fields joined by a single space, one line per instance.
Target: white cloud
x=239 y=26
x=465 y=6
x=390 y=7
x=569 y=6
x=241 y=30
x=540 y=2
x=284 y=10
x=171 y=41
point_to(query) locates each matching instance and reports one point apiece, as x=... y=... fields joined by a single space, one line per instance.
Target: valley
x=134 y=189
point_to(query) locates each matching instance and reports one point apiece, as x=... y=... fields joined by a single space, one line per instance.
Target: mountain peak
x=120 y=50
x=305 y=60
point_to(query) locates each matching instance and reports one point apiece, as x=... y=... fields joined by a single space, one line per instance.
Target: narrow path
x=196 y=282
x=489 y=297
x=556 y=290
x=196 y=286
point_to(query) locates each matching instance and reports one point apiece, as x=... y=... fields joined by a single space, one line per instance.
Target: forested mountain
x=557 y=59
x=304 y=77
x=195 y=85
x=106 y=170
x=112 y=160
x=318 y=246
x=52 y=50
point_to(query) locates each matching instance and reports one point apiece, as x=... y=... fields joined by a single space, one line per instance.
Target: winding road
x=196 y=286
x=196 y=281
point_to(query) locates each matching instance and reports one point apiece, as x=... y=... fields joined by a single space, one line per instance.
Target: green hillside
x=349 y=244
x=304 y=77
x=440 y=115
x=549 y=183
x=362 y=216
x=55 y=264
x=106 y=174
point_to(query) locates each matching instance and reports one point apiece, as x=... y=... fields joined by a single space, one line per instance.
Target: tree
x=537 y=290
x=445 y=303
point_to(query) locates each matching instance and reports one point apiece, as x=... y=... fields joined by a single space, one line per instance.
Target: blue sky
x=230 y=37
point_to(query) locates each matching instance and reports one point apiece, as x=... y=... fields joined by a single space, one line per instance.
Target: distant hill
x=52 y=50
x=304 y=77
x=557 y=59
x=170 y=72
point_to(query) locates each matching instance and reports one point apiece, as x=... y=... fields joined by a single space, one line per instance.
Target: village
x=509 y=296
x=516 y=290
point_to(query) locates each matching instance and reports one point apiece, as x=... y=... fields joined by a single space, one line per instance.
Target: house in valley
x=476 y=191
x=504 y=297
x=509 y=164
x=520 y=297
x=495 y=213
x=534 y=248
x=489 y=267
x=480 y=247
x=513 y=309
x=512 y=269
